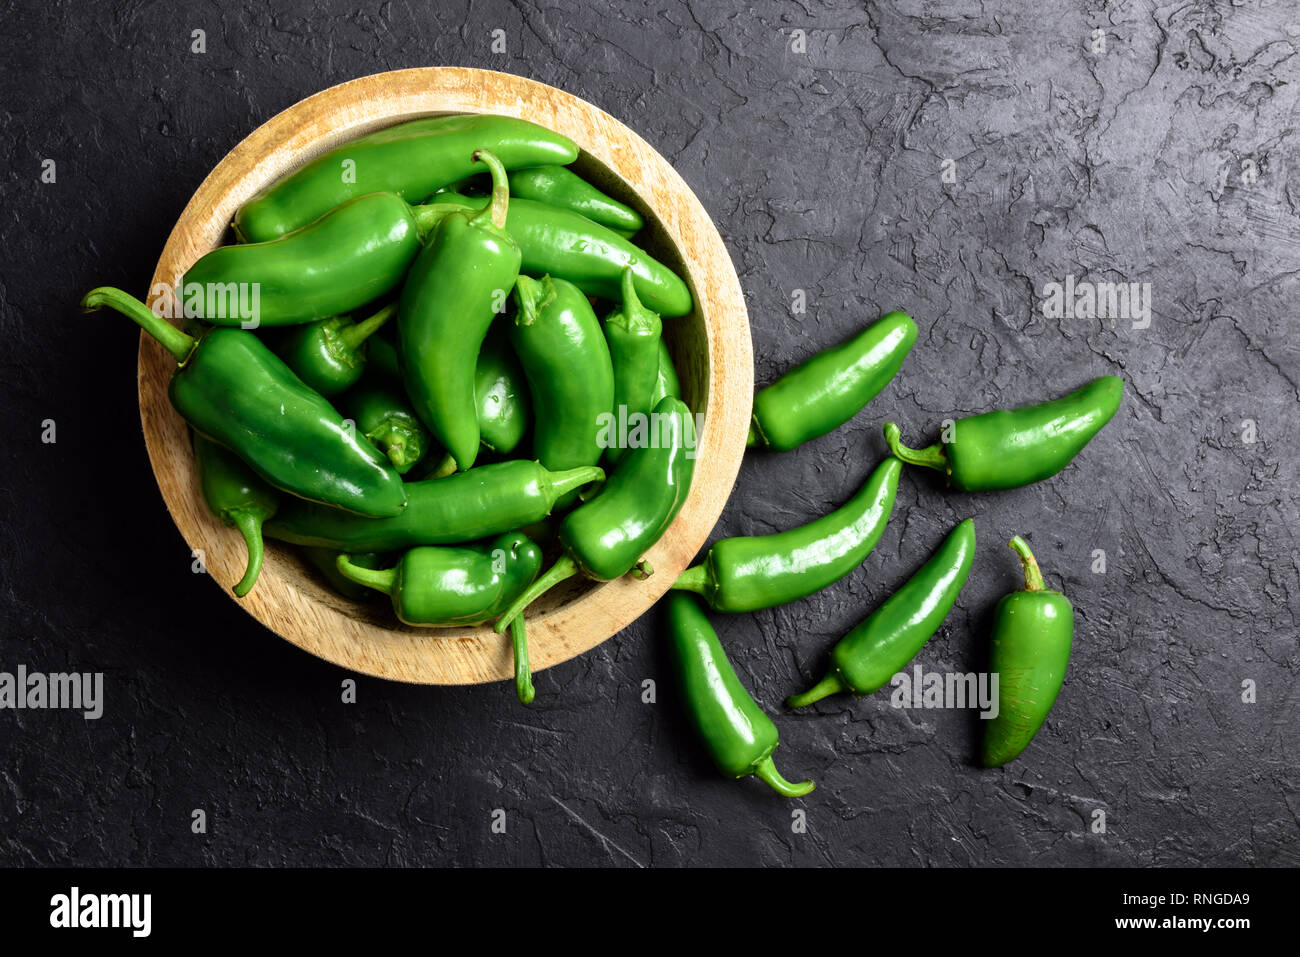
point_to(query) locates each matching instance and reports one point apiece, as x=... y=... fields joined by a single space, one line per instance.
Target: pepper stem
x=766 y=771
x=831 y=684
x=250 y=526
x=1033 y=574
x=357 y=333
x=428 y=217
x=564 y=567
x=523 y=674
x=931 y=458
x=755 y=438
x=380 y=579
x=169 y=337
x=695 y=579
x=562 y=483
x=496 y=210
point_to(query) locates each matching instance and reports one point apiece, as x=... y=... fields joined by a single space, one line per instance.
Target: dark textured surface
x=822 y=169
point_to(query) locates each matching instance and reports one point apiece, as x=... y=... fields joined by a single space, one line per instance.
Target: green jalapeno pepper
x=634 y=334
x=748 y=573
x=1033 y=631
x=457 y=285
x=385 y=417
x=238 y=498
x=562 y=187
x=565 y=245
x=231 y=388
x=501 y=394
x=330 y=355
x=1008 y=449
x=738 y=735
x=463 y=507
x=607 y=536
x=570 y=375
x=666 y=382
x=348 y=257
x=831 y=387
x=876 y=650
x=411 y=159
x=325 y=561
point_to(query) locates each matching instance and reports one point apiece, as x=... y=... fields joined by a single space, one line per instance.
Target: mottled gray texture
x=822 y=169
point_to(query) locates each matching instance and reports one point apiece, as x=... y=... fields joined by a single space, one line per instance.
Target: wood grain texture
x=711 y=347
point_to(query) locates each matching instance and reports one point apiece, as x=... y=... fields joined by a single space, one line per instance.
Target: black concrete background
x=820 y=156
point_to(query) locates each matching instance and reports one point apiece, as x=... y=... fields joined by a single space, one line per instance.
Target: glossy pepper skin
x=1008 y=449
x=1033 y=632
x=463 y=507
x=634 y=334
x=385 y=417
x=411 y=159
x=606 y=537
x=666 y=381
x=876 y=650
x=330 y=355
x=237 y=392
x=736 y=732
x=562 y=187
x=832 y=387
x=455 y=288
x=762 y=571
x=501 y=395
x=348 y=257
x=562 y=244
x=570 y=374
x=238 y=498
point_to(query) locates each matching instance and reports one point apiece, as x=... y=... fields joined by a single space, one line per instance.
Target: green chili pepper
x=238 y=498
x=411 y=159
x=1033 y=631
x=745 y=574
x=570 y=375
x=325 y=561
x=385 y=417
x=876 y=650
x=1008 y=449
x=231 y=388
x=501 y=394
x=563 y=244
x=739 y=736
x=352 y=255
x=605 y=537
x=666 y=382
x=463 y=507
x=561 y=187
x=831 y=387
x=456 y=287
x=330 y=355
x=634 y=334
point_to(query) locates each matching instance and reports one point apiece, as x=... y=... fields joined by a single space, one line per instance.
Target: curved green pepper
x=238 y=498
x=738 y=735
x=463 y=507
x=560 y=243
x=748 y=573
x=411 y=159
x=330 y=355
x=634 y=334
x=385 y=417
x=348 y=257
x=666 y=382
x=1008 y=449
x=876 y=650
x=501 y=394
x=607 y=536
x=456 y=287
x=562 y=187
x=1033 y=631
x=230 y=387
x=833 y=386
x=570 y=375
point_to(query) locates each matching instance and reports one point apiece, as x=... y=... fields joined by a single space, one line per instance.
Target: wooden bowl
x=711 y=347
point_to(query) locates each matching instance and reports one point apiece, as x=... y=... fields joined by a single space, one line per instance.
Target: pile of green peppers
x=414 y=396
